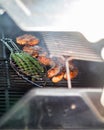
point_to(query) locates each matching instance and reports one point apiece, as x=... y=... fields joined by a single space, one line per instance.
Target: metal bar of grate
x=8 y=97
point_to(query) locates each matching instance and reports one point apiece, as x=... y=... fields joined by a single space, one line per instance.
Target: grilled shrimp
x=73 y=74
x=53 y=71
x=58 y=77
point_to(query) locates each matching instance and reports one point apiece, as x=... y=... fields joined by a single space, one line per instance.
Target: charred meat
x=27 y=39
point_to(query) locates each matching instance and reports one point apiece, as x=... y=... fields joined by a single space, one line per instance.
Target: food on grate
x=27 y=65
x=45 y=60
x=34 y=50
x=27 y=39
x=58 y=77
x=39 y=53
x=29 y=49
x=53 y=71
x=62 y=74
x=57 y=69
x=73 y=74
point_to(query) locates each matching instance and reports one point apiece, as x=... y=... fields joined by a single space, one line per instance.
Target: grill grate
x=87 y=76
x=88 y=73
x=8 y=97
x=2 y=102
x=13 y=87
x=70 y=44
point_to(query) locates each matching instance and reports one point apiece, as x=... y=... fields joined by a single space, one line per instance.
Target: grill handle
x=10 y=45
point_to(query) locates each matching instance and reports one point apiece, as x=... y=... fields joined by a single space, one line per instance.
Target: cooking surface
x=90 y=73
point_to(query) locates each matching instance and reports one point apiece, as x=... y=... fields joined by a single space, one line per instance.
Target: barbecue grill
x=63 y=105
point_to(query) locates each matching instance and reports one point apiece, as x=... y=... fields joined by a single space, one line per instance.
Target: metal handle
x=10 y=44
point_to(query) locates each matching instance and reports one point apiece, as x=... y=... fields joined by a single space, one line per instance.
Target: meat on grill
x=45 y=60
x=53 y=71
x=27 y=39
x=73 y=74
x=39 y=53
x=57 y=70
x=32 y=51
x=58 y=77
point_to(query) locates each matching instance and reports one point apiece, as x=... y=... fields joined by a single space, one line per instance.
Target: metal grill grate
x=3 y=75
x=2 y=102
x=8 y=97
x=70 y=44
x=13 y=87
x=88 y=76
x=88 y=73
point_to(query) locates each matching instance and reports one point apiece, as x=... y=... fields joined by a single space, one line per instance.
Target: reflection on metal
x=23 y=7
x=102 y=98
x=2 y=11
x=102 y=53
x=73 y=106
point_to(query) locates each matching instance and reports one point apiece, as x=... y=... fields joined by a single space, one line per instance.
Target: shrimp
x=53 y=71
x=58 y=77
x=73 y=74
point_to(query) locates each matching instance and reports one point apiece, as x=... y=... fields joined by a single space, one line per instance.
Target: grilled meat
x=57 y=70
x=58 y=77
x=27 y=39
x=45 y=60
x=73 y=74
x=53 y=71
x=30 y=50
x=63 y=74
x=39 y=53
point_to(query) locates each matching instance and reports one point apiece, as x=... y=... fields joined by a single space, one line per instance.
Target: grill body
x=52 y=108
